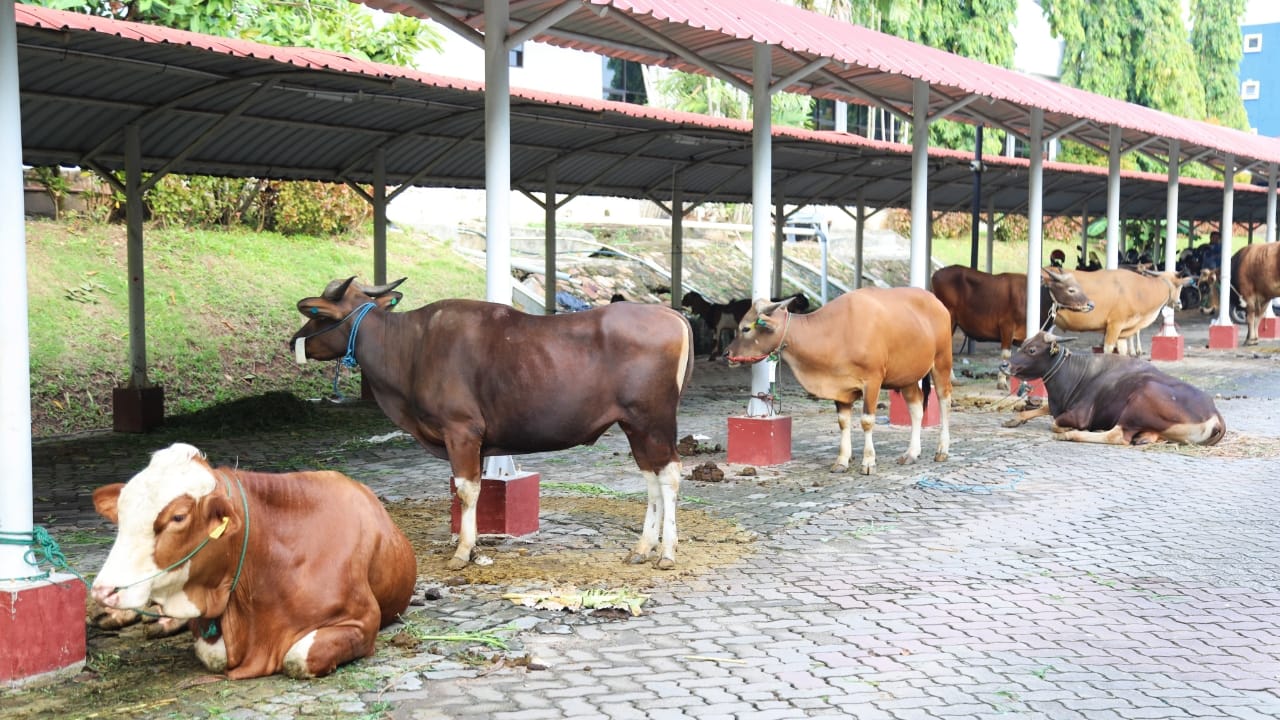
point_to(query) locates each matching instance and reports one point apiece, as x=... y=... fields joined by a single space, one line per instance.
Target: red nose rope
x=774 y=354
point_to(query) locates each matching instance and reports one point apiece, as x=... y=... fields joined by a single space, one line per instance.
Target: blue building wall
x=1262 y=67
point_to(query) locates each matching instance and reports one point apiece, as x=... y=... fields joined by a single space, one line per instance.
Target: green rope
x=41 y=548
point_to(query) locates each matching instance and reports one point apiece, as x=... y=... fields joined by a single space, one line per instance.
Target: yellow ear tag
x=217 y=532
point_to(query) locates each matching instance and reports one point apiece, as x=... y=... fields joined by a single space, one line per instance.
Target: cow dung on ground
x=581 y=541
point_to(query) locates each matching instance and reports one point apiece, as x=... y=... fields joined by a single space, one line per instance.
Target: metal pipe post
x=919 y=182
x=1171 y=212
x=1035 y=219
x=1113 y=198
x=1228 y=224
x=497 y=154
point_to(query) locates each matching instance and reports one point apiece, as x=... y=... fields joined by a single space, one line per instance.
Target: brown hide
x=854 y=346
x=1124 y=301
x=1255 y=275
x=469 y=379
x=323 y=555
x=993 y=308
x=724 y=317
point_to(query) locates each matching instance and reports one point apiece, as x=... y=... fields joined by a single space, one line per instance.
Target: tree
x=324 y=24
x=1215 y=37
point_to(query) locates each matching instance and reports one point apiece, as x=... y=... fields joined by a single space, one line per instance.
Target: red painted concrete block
x=1037 y=387
x=1269 y=328
x=900 y=415
x=1224 y=337
x=1167 y=347
x=41 y=629
x=507 y=506
x=759 y=440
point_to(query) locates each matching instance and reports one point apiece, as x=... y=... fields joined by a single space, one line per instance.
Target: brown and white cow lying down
x=852 y=347
x=1124 y=302
x=470 y=379
x=291 y=572
x=991 y=307
x=1255 y=273
x=1113 y=399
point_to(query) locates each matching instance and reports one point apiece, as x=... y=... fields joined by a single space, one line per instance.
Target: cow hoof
x=1012 y=423
x=457 y=563
x=840 y=468
x=636 y=558
x=1251 y=341
x=164 y=627
x=667 y=563
x=940 y=457
x=906 y=459
x=868 y=469
x=113 y=619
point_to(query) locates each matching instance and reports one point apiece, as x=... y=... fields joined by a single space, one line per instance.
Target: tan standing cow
x=1255 y=273
x=852 y=347
x=1124 y=302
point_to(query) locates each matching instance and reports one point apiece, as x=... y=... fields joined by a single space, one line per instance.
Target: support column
x=677 y=245
x=779 y=207
x=1113 y=198
x=991 y=233
x=42 y=626
x=549 y=244
x=1167 y=344
x=1223 y=334
x=1084 y=233
x=1035 y=219
x=497 y=154
x=763 y=437
x=919 y=182
x=1269 y=327
x=859 y=236
x=379 y=216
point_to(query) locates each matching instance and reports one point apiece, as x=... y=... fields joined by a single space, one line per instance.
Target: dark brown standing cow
x=290 y=572
x=724 y=317
x=1255 y=274
x=993 y=308
x=852 y=347
x=1113 y=399
x=471 y=379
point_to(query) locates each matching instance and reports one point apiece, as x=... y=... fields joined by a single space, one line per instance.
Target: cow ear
x=317 y=307
x=219 y=515
x=106 y=501
x=389 y=301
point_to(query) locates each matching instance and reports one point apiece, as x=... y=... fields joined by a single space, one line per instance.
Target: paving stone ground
x=1023 y=578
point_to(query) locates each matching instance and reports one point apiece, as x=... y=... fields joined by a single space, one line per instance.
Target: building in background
x=1260 y=66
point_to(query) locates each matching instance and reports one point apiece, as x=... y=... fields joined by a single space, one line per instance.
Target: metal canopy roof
x=829 y=58
x=210 y=105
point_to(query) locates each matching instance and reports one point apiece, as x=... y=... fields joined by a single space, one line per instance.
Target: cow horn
x=380 y=290
x=1059 y=277
x=336 y=289
x=764 y=307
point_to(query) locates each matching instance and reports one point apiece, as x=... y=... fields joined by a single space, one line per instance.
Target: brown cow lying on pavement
x=852 y=347
x=1255 y=273
x=1113 y=399
x=1124 y=302
x=994 y=307
x=724 y=317
x=291 y=572
x=470 y=379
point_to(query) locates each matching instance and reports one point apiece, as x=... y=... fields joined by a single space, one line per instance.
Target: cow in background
x=852 y=347
x=1255 y=273
x=1124 y=302
x=993 y=308
x=1113 y=399
x=721 y=318
x=292 y=572
x=469 y=379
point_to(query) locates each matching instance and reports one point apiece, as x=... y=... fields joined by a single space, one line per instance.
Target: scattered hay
x=1233 y=445
x=581 y=542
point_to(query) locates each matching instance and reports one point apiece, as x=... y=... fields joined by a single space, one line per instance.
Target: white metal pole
x=919 y=182
x=497 y=154
x=677 y=245
x=1113 y=198
x=16 y=497
x=1171 y=212
x=379 y=216
x=1228 y=223
x=762 y=373
x=1035 y=219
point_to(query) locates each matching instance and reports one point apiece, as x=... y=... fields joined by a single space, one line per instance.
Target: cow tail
x=925 y=384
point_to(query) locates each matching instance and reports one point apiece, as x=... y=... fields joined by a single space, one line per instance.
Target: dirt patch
x=581 y=541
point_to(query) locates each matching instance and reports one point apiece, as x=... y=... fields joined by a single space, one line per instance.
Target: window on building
x=1253 y=42
x=624 y=81
x=1250 y=90
x=515 y=56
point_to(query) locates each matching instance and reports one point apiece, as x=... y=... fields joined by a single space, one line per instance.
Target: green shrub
x=313 y=208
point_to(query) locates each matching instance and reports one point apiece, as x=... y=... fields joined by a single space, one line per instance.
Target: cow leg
x=844 y=417
x=1114 y=436
x=942 y=387
x=1110 y=339
x=1252 y=319
x=914 y=398
x=212 y=653
x=870 y=395
x=1002 y=380
x=1022 y=417
x=321 y=651
x=464 y=459
x=660 y=464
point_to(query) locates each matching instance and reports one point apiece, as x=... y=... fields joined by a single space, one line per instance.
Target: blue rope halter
x=349 y=360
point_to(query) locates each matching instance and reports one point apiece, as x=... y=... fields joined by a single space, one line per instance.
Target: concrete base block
x=759 y=440
x=1037 y=387
x=900 y=415
x=507 y=506
x=42 y=630
x=137 y=410
x=1167 y=347
x=1224 y=337
x=1269 y=328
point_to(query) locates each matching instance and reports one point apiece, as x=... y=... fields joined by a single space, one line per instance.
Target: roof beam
x=447 y=19
x=801 y=73
x=675 y=48
x=541 y=23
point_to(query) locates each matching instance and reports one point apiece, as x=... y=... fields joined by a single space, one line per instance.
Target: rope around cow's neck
x=349 y=360
x=214 y=535
x=1057 y=364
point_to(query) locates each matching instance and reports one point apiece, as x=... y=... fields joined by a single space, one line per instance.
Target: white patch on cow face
x=295 y=661
x=213 y=655
x=123 y=581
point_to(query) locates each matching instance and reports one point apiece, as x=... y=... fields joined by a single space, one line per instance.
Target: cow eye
x=178 y=518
